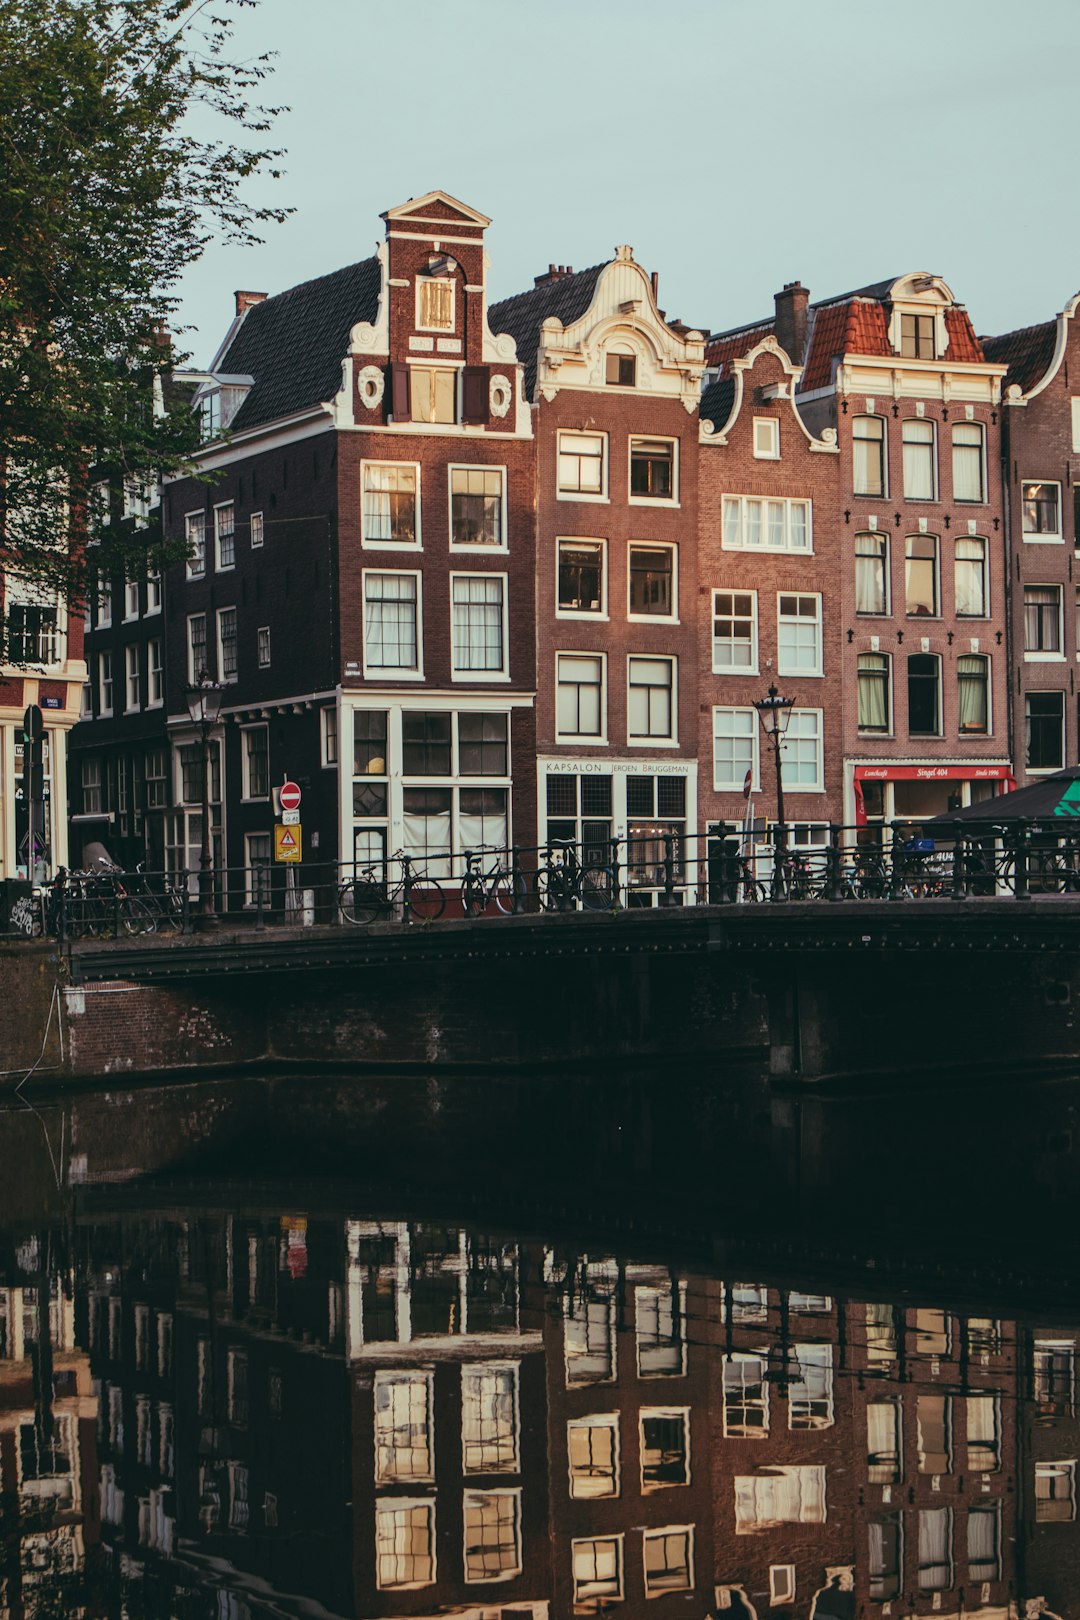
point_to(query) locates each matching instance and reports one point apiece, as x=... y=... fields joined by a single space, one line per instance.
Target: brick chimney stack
x=244 y=300
x=555 y=272
x=791 y=313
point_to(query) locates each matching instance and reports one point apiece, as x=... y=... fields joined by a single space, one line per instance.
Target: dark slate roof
x=293 y=344
x=1027 y=353
x=717 y=401
x=522 y=316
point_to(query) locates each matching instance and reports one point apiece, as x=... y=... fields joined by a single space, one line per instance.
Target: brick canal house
x=1042 y=461
x=615 y=388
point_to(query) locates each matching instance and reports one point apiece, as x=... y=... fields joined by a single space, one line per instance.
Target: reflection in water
x=217 y=1405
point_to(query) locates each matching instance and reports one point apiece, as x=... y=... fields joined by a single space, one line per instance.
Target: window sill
x=376 y=673
x=1044 y=539
x=584 y=741
x=588 y=615
x=1043 y=770
x=870 y=495
x=477 y=548
x=652 y=742
x=669 y=501
x=571 y=495
x=969 y=500
x=875 y=736
x=772 y=551
x=800 y=674
x=751 y=674
x=734 y=787
x=872 y=614
x=481 y=676
x=392 y=545
x=652 y=618
x=1044 y=658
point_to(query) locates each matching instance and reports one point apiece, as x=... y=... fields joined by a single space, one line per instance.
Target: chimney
x=791 y=309
x=244 y=300
x=554 y=272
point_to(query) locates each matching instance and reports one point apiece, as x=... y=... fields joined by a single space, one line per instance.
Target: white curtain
x=971 y=693
x=478 y=623
x=971 y=577
x=967 y=461
x=935 y=1549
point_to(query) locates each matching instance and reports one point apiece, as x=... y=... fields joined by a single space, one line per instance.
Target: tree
x=111 y=190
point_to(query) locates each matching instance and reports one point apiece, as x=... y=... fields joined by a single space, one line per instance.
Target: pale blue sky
x=736 y=144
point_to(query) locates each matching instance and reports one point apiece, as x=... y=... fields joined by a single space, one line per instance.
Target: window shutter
x=399 y=391
x=475 y=394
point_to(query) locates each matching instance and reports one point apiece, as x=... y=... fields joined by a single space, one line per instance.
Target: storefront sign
x=933 y=773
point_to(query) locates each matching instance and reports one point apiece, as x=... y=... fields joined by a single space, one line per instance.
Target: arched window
x=874 y=702
x=620 y=366
x=973 y=694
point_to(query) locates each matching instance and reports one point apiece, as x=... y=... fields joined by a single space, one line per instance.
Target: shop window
x=579 y=812
x=426 y=825
x=482 y=744
x=427 y=743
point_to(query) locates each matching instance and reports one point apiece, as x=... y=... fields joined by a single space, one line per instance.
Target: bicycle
x=504 y=885
x=369 y=895
x=562 y=879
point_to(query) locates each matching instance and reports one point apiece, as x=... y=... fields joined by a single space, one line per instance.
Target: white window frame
x=680 y=1414
x=595 y=1420
x=193 y=673
x=587 y=1604
x=326 y=730
x=395 y=1504
x=246 y=793
x=132 y=679
x=422 y=1379
x=932 y=443
x=1045 y=657
x=766 y=438
x=601 y=613
x=1039 y=537
x=654 y=618
x=789 y=503
x=599 y=738
x=261 y=662
x=256 y=530
x=676 y=1294
x=1075 y=403
x=819 y=780
x=1047 y=1468
x=743 y=1431
x=669 y=501
x=104 y=602
x=737 y=787
x=467 y=548
x=219 y=566
x=227 y=680
x=811 y=1421
x=390 y=545
x=153 y=702
x=639 y=740
x=105 y=682
x=600 y=496
x=512 y=1494
x=446 y=281
x=393 y=672
x=654 y=1534
x=153 y=593
x=195 y=567
x=474 y=676
x=479 y=1369
x=736 y=669
x=131 y=600
x=983 y=485
x=801 y=670
x=781 y=1584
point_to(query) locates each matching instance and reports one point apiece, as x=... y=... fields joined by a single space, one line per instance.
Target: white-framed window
x=328 y=729
x=392 y=623
x=883 y=1430
x=433 y=392
x=580 y=701
x=735 y=633
x=654 y=472
x=589 y=1327
x=155 y=679
x=735 y=749
x=983 y=1433
x=1053 y=1376
x=404 y=1543
x=105 y=683
x=390 y=504
x=489 y=1418
x=620 y=366
x=651 y=700
x=435 y=303
x=669 y=1560
x=869 y=450
x=781 y=1584
x=874 y=692
x=492 y=1535
x=258 y=859
x=1040 y=509
x=581 y=579
x=478 y=507
x=582 y=466
x=969 y=461
x=592 y=1445
x=256 y=762
x=652 y=582
x=803 y=752
x=917 y=336
x=935 y=1549
x=104 y=602
x=759 y=523
x=597 y=1564
x=1043 y=638
x=885 y=1563
x=90 y=781
x=933 y=1421
x=922 y=583
x=784 y=1495
x=810 y=1392
x=262 y=642
x=86 y=702
x=131 y=600
x=984 y=1541
x=664 y=1446
x=803 y=1304
x=1075 y=405
x=478 y=625
x=195 y=536
x=226 y=644
x=746 y=1395
x=132 y=695
x=1055 y=1492
x=196 y=645
x=256 y=530
x=970 y=580
x=798 y=633
x=766 y=438
x=403 y=1437
x=749 y=1302
x=153 y=592
x=918 y=436
x=660 y=1331
x=157 y=779
x=224 y=536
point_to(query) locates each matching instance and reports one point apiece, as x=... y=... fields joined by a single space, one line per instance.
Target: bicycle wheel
x=360 y=902
x=136 y=916
x=509 y=892
x=473 y=896
x=549 y=887
x=427 y=901
x=597 y=888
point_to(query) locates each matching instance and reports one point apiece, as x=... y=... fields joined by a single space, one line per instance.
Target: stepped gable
x=566 y=296
x=293 y=344
x=1028 y=353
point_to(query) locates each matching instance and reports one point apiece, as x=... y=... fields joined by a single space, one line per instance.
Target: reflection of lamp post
x=204 y=706
x=774 y=712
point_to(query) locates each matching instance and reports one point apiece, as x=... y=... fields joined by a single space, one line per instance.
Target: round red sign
x=289 y=796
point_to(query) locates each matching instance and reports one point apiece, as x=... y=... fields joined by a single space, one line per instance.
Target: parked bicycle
x=561 y=880
x=504 y=885
x=371 y=896
x=97 y=903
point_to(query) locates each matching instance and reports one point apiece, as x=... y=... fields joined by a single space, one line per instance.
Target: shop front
x=878 y=793
x=636 y=810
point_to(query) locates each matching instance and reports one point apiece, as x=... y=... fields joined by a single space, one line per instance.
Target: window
x=984 y=1541
x=873 y=683
x=931 y=1332
x=746 y=1396
x=983 y=1336
x=652 y=469
x=1042 y=621
x=105 y=683
x=734 y=647
x=652 y=582
x=435 y=303
x=258 y=857
x=1044 y=726
x=31 y=634
x=489 y=1424
x=257 y=530
x=883 y=1442
x=210 y=414
x=920 y=462
x=983 y=1433
x=482 y=745
x=1053 y=1371
x=970 y=578
x=589 y=1334
x=766 y=438
x=580 y=706
x=427 y=743
x=131 y=671
x=432 y=394
x=131 y=599
x=225 y=536
x=921 y=576
x=404 y=1543
x=749 y=1302
x=155 y=691
x=735 y=749
x=917 y=337
x=924 y=695
x=1040 y=507
x=1055 y=1492
x=256 y=762
x=196 y=648
x=868 y=453
x=597 y=1565
x=802 y=752
x=781 y=1496
x=799 y=637
x=262 y=642
x=390 y=508
x=973 y=694
x=650 y=707
x=810 y=1393
x=582 y=577
x=226 y=633
x=885 y=1564
x=593 y=1451
x=153 y=593
x=402 y=1427
x=808 y=1304
x=195 y=536
x=881 y=1334
x=477 y=515
x=86 y=701
x=968 y=461
x=90 y=775
x=157 y=779
x=478 y=632
x=933 y=1417
x=237 y=1388
x=872 y=573
x=752 y=523
x=665 y=1448
x=582 y=468
x=620 y=369
x=391 y=622
x=669 y=1561
x=659 y=1329
x=329 y=736
x=935 y=1549
x=492 y=1535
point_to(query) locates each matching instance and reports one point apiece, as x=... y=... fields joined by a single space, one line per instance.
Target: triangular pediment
x=436 y=208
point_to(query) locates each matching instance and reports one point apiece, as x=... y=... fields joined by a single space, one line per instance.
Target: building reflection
x=237 y=1411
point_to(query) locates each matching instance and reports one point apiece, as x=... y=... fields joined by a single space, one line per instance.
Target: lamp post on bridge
x=204 y=707
x=774 y=712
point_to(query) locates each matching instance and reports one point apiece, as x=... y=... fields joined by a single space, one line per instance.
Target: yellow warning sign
x=288 y=843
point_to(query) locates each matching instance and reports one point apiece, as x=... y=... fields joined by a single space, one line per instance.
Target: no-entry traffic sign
x=289 y=796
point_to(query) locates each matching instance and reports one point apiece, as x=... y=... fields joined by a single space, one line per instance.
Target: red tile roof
x=860 y=326
x=963 y=344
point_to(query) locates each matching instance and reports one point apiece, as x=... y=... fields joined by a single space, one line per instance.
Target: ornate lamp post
x=774 y=712
x=204 y=707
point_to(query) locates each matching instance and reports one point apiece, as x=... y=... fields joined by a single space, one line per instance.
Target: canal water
x=654 y=1344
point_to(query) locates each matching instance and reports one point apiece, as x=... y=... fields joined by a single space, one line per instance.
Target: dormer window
x=435 y=303
x=917 y=337
x=210 y=415
x=621 y=369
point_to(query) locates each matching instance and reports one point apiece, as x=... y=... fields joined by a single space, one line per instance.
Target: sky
x=735 y=144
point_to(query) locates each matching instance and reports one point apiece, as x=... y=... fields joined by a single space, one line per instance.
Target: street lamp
x=204 y=707
x=774 y=712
